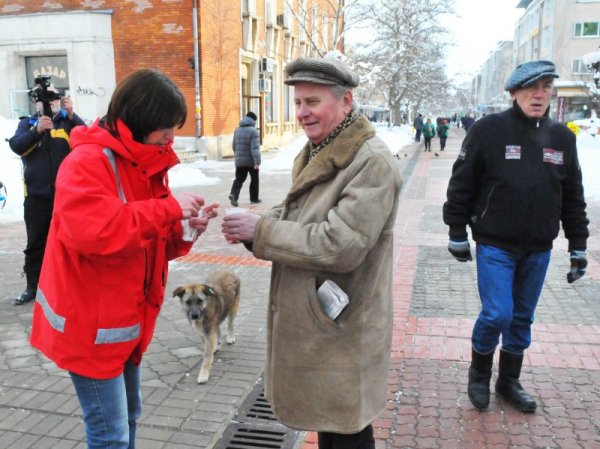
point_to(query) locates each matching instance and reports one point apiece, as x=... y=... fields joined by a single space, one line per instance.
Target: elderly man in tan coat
x=334 y=229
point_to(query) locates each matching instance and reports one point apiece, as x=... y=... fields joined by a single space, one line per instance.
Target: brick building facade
x=88 y=46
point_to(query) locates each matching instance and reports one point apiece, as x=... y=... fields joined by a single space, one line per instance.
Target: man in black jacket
x=43 y=143
x=516 y=178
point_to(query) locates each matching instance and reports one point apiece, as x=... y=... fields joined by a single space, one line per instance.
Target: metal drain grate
x=255 y=426
x=247 y=435
x=256 y=406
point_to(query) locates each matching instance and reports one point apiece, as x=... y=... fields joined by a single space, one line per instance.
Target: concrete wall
x=83 y=37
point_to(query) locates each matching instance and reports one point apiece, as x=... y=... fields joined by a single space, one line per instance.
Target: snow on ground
x=207 y=172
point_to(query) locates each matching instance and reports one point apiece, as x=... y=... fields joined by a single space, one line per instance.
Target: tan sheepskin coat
x=335 y=223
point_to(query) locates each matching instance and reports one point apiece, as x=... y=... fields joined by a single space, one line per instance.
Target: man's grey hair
x=338 y=91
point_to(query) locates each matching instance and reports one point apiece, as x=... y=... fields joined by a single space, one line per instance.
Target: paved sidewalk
x=436 y=304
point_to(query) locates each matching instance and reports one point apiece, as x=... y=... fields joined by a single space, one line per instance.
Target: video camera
x=41 y=93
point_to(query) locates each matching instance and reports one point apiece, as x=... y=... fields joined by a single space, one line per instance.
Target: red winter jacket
x=105 y=266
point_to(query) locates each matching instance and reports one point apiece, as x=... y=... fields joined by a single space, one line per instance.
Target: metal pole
x=197 y=77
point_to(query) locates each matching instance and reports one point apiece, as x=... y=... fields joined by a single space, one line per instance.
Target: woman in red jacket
x=116 y=225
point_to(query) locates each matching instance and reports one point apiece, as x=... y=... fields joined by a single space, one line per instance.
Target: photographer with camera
x=42 y=141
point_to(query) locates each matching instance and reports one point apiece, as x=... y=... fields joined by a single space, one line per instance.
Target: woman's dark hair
x=146 y=101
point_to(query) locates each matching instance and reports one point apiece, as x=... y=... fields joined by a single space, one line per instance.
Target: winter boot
x=508 y=384
x=30 y=291
x=480 y=374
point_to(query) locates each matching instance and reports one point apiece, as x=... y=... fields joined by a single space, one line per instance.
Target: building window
x=587 y=29
x=579 y=67
x=54 y=66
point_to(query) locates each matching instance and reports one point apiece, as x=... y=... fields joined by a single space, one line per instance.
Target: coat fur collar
x=334 y=157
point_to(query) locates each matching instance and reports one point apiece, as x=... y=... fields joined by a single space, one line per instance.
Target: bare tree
x=404 y=58
x=343 y=15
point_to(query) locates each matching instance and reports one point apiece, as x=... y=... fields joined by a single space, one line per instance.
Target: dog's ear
x=208 y=291
x=178 y=292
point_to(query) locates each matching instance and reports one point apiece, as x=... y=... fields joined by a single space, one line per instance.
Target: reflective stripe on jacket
x=115 y=227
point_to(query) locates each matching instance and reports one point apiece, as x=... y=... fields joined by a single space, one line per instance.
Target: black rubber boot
x=28 y=295
x=508 y=384
x=480 y=374
x=30 y=291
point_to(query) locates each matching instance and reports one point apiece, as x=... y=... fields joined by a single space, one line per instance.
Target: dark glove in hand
x=578 y=265
x=460 y=249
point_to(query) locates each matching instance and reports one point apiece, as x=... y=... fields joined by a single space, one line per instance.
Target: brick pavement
x=435 y=305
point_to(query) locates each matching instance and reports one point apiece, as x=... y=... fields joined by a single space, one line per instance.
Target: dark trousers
x=241 y=173
x=361 y=440
x=427 y=143
x=442 y=143
x=37 y=213
x=418 y=135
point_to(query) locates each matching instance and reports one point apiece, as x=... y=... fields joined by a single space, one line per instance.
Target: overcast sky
x=476 y=30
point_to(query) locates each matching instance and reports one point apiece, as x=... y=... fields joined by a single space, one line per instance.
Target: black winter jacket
x=42 y=155
x=514 y=180
x=246 y=144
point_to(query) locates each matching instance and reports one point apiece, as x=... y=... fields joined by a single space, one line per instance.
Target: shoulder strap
x=113 y=163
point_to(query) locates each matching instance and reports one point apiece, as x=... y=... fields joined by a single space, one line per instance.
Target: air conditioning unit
x=265 y=65
x=264 y=85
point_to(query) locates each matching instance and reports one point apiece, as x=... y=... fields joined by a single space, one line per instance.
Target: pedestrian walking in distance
x=443 y=133
x=246 y=148
x=428 y=133
x=516 y=179
x=418 y=125
x=327 y=372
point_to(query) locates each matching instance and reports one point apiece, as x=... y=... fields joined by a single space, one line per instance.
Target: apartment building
x=562 y=31
x=227 y=57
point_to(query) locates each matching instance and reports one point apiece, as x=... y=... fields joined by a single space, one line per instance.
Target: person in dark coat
x=468 y=122
x=246 y=147
x=43 y=143
x=418 y=124
x=516 y=179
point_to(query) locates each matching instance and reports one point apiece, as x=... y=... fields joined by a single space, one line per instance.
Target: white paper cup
x=190 y=234
x=235 y=210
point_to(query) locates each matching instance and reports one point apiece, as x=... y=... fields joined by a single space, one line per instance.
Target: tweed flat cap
x=329 y=71
x=528 y=73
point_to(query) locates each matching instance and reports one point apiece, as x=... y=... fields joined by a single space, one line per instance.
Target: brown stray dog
x=206 y=307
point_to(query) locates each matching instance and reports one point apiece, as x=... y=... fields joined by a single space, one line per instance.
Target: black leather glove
x=578 y=265
x=460 y=249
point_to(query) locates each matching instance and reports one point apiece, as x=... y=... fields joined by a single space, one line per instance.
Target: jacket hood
x=247 y=121
x=151 y=158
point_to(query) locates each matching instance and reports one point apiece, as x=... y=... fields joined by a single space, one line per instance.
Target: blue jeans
x=110 y=408
x=509 y=285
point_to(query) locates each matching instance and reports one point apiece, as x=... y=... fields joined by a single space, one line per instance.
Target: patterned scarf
x=350 y=118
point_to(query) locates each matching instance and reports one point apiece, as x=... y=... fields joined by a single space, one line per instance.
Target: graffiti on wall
x=91 y=91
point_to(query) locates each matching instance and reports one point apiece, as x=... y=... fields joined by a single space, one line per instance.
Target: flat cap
x=328 y=71
x=528 y=73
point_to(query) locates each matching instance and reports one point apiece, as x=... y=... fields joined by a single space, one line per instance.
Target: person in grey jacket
x=246 y=147
x=325 y=373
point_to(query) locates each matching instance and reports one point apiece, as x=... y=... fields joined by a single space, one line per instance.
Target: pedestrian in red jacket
x=116 y=225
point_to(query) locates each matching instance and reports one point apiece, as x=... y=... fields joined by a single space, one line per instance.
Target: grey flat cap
x=528 y=73
x=328 y=71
